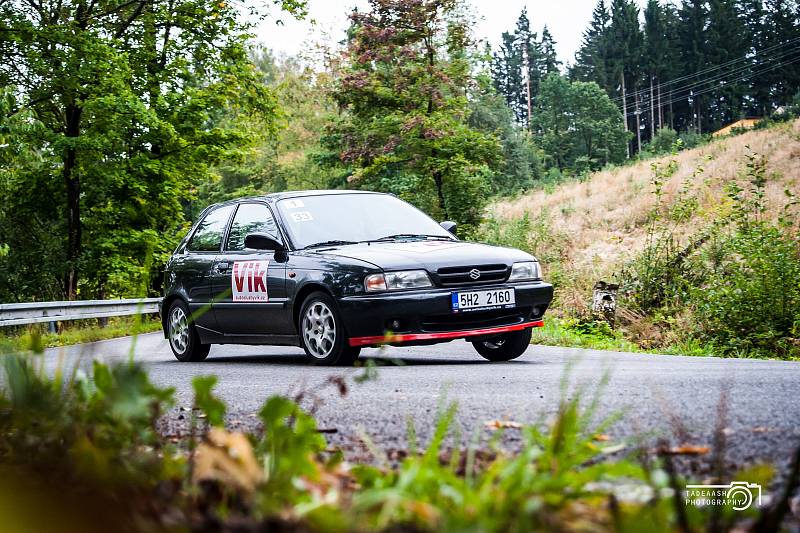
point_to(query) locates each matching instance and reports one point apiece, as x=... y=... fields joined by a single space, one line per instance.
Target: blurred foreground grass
x=85 y=447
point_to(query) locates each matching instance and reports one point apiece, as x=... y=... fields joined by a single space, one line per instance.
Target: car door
x=250 y=285
x=194 y=266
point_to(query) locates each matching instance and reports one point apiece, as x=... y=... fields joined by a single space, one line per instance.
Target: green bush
x=663 y=142
x=737 y=280
x=750 y=302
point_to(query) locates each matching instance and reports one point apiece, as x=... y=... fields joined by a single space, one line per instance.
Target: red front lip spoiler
x=411 y=337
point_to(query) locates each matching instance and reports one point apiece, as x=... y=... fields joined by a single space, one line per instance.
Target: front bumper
x=426 y=316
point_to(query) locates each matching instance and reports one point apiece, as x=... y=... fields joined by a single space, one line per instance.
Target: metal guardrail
x=36 y=312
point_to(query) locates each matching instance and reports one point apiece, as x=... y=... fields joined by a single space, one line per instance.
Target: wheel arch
x=300 y=298
x=166 y=303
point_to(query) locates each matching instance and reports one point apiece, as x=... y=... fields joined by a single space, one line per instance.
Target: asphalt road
x=656 y=396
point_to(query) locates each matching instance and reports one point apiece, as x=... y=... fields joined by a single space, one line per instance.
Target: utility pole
x=652 y=111
x=660 y=109
x=625 y=115
x=638 y=125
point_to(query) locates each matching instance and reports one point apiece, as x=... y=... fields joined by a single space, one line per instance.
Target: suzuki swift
x=337 y=271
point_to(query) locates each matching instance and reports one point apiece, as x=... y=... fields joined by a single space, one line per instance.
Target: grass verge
x=79 y=331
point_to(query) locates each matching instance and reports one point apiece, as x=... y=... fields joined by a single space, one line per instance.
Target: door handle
x=222 y=267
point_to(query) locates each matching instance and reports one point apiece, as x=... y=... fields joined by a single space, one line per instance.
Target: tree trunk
x=660 y=108
x=73 y=185
x=439 y=182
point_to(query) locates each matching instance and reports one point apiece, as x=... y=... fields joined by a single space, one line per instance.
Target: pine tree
x=726 y=42
x=549 y=62
x=592 y=61
x=783 y=21
x=754 y=17
x=692 y=38
x=531 y=55
x=626 y=43
x=507 y=75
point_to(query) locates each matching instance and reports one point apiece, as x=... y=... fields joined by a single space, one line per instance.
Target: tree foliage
x=128 y=99
x=403 y=95
x=578 y=125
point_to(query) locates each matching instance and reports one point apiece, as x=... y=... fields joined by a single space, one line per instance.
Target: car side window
x=250 y=218
x=208 y=235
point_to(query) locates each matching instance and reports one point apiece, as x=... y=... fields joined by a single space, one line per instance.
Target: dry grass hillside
x=602 y=221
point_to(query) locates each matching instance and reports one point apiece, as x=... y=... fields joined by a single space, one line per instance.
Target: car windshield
x=349 y=218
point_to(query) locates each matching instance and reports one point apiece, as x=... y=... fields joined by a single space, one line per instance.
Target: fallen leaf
x=227 y=458
x=602 y=438
x=686 y=449
x=761 y=429
x=494 y=425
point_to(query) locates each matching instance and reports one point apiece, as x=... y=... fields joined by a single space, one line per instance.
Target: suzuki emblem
x=474 y=273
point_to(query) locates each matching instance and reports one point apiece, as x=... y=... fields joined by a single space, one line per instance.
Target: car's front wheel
x=504 y=347
x=322 y=332
x=182 y=334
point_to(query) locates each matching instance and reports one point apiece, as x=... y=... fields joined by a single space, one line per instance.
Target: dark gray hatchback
x=335 y=271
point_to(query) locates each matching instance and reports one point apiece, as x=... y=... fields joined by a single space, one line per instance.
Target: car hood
x=430 y=255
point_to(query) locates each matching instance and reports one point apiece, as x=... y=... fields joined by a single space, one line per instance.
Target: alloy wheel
x=319 y=330
x=178 y=330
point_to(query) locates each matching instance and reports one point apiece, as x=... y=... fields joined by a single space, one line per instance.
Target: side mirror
x=449 y=226
x=262 y=241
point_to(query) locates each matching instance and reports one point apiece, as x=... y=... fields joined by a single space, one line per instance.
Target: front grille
x=475 y=319
x=460 y=276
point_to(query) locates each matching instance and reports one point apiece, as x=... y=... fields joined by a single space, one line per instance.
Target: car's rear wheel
x=504 y=347
x=182 y=334
x=322 y=332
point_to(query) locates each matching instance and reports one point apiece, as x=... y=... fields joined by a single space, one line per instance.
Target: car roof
x=274 y=197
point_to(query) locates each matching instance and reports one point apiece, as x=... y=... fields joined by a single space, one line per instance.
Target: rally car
x=336 y=271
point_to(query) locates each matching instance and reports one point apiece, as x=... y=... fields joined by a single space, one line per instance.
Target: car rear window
x=208 y=236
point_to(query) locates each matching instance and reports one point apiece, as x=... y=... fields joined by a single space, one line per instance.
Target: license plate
x=472 y=300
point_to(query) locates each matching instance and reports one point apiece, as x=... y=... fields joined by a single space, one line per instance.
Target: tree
x=783 y=23
x=403 y=97
x=581 y=127
x=593 y=61
x=518 y=68
x=130 y=97
x=625 y=50
x=549 y=62
x=507 y=75
x=692 y=38
x=521 y=162
x=727 y=43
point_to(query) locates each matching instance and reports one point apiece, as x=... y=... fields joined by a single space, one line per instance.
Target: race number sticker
x=294 y=204
x=249 y=281
x=302 y=216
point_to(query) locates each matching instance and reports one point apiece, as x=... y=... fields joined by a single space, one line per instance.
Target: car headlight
x=391 y=281
x=524 y=271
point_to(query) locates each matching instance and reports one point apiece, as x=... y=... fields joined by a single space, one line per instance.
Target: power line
x=740 y=78
x=747 y=58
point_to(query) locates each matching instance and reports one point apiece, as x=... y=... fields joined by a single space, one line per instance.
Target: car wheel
x=322 y=332
x=182 y=334
x=504 y=347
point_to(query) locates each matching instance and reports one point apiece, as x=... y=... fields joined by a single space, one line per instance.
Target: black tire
x=505 y=347
x=322 y=332
x=182 y=334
